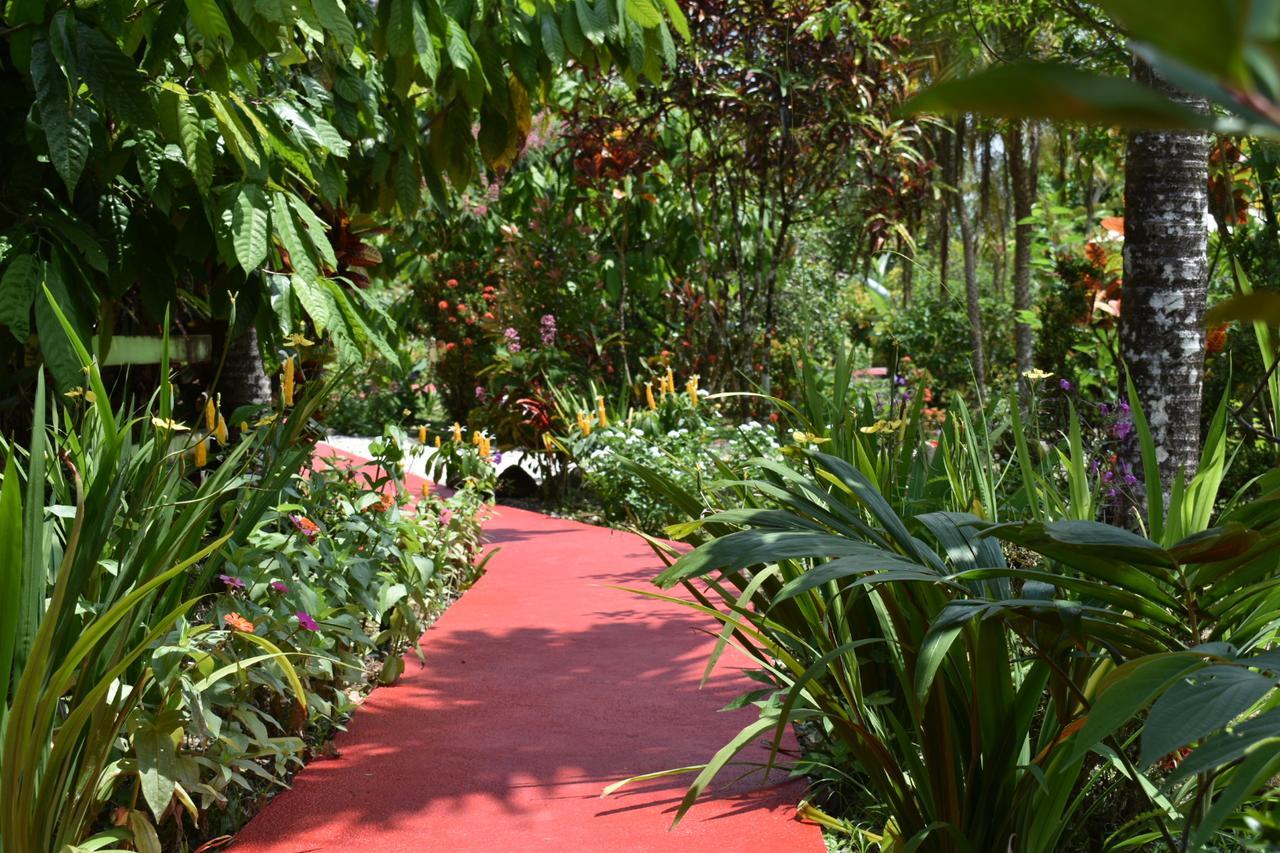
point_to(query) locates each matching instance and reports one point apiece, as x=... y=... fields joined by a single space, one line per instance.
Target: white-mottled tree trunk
x=1165 y=281
x=1022 y=151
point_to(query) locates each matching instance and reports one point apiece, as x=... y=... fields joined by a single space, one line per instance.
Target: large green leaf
x=195 y=145
x=1199 y=704
x=251 y=227
x=314 y=230
x=299 y=249
x=17 y=289
x=11 y=572
x=751 y=547
x=1207 y=34
x=113 y=77
x=1260 y=733
x=57 y=350
x=209 y=20
x=1037 y=90
x=1129 y=689
x=64 y=115
x=157 y=759
x=332 y=15
x=644 y=13
x=552 y=41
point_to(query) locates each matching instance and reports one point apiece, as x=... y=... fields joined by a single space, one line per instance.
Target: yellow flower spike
x=547 y=443
x=692 y=387
x=600 y=412
x=670 y=386
x=202 y=453
x=422 y=435
x=437 y=441
x=584 y=424
x=210 y=414
x=648 y=396
x=244 y=429
x=220 y=431
x=457 y=432
x=286 y=385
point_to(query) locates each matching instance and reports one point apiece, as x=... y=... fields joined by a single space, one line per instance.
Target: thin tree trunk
x=1023 y=174
x=943 y=146
x=969 y=242
x=908 y=269
x=1166 y=267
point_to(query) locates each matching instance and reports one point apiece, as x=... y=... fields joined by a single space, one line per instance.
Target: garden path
x=542 y=685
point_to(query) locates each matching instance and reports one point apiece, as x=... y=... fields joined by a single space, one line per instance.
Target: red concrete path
x=542 y=685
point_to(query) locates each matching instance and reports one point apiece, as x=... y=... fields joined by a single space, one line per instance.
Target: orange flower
x=1217 y=340
x=1096 y=254
x=236 y=622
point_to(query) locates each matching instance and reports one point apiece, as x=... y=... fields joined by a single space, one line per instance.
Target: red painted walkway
x=542 y=686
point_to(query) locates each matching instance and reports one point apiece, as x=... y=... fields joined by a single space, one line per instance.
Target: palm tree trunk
x=968 y=241
x=1165 y=280
x=242 y=380
x=1023 y=172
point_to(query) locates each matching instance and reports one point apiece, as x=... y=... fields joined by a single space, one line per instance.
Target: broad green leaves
x=195 y=146
x=251 y=227
x=332 y=15
x=64 y=115
x=17 y=289
x=209 y=20
x=154 y=744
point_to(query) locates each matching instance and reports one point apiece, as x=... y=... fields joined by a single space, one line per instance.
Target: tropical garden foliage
x=943 y=333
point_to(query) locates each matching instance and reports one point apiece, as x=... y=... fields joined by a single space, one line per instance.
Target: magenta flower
x=305 y=620
x=548 y=329
x=232 y=582
x=446 y=516
x=513 y=339
x=279 y=586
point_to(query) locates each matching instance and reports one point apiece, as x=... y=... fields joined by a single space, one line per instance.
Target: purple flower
x=1122 y=429
x=1108 y=476
x=513 y=339
x=307 y=623
x=1124 y=407
x=1130 y=480
x=279 y=586
x=497 y=457
x=548 y=329
x=232 y=582
x=1104 y=409
x=899 y=379
x=481 y=394
x=1064 y=385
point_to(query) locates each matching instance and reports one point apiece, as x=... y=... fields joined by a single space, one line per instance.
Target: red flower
x=305 y=526
x=453 y=282
x=444 y=305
